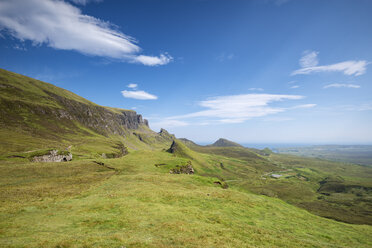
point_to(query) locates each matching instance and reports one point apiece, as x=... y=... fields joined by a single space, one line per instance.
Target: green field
x=136 y=204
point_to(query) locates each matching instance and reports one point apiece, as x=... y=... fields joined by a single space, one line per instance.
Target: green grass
x=300 y=181
x=141 y=205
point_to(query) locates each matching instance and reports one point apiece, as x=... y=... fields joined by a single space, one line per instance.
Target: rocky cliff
x=36 y=115
x=26 y=102
x=103 y=120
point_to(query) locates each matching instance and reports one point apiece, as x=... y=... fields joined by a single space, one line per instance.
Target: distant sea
x=273 y=146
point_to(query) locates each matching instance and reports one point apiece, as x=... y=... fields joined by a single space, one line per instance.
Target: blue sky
x=269 y=71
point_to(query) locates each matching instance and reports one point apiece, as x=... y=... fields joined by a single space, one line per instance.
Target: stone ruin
x=53 y=156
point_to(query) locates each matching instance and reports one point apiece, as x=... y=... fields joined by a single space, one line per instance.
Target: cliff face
x=36 y=115
x=27 y=103
x=100 y=119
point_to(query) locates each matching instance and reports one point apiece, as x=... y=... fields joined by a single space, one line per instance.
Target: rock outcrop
x=166 y=135
x=183 y=169
x=53 y=156
x=179 y=149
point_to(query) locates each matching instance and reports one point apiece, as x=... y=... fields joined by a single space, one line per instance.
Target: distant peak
x=221 y=142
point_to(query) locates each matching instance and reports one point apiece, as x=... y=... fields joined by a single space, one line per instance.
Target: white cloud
x=152 y=60
x=309 y=64
x=61 y=25
x=84 y=2
x=295 y=87
x=238 y=108
x=256 y=89
x=309 y=59
x=138 y=94
x=355 y=86
x=132 y=86
x=356 y=68
x=311 y=105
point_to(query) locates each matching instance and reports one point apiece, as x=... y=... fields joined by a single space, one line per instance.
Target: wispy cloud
x=355 y=86
x=309 y=59
x=138 y=94
x=295 y=87
x=256 y=89
x=225 y=56
x=84 y=2
x=61 y=25
x=239 y=108
x=309 y=64
x=132 y=86
x=361 y=107
x=311 y=105
x=20 y=47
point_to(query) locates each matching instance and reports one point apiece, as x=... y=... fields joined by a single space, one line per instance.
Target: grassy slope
x=141 y=205
x=350 y=201
x=23 y=128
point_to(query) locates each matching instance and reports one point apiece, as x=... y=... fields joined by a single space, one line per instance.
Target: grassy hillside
x=237 y=197
x=36 y=115
x=300 y=180
x=131 y=202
